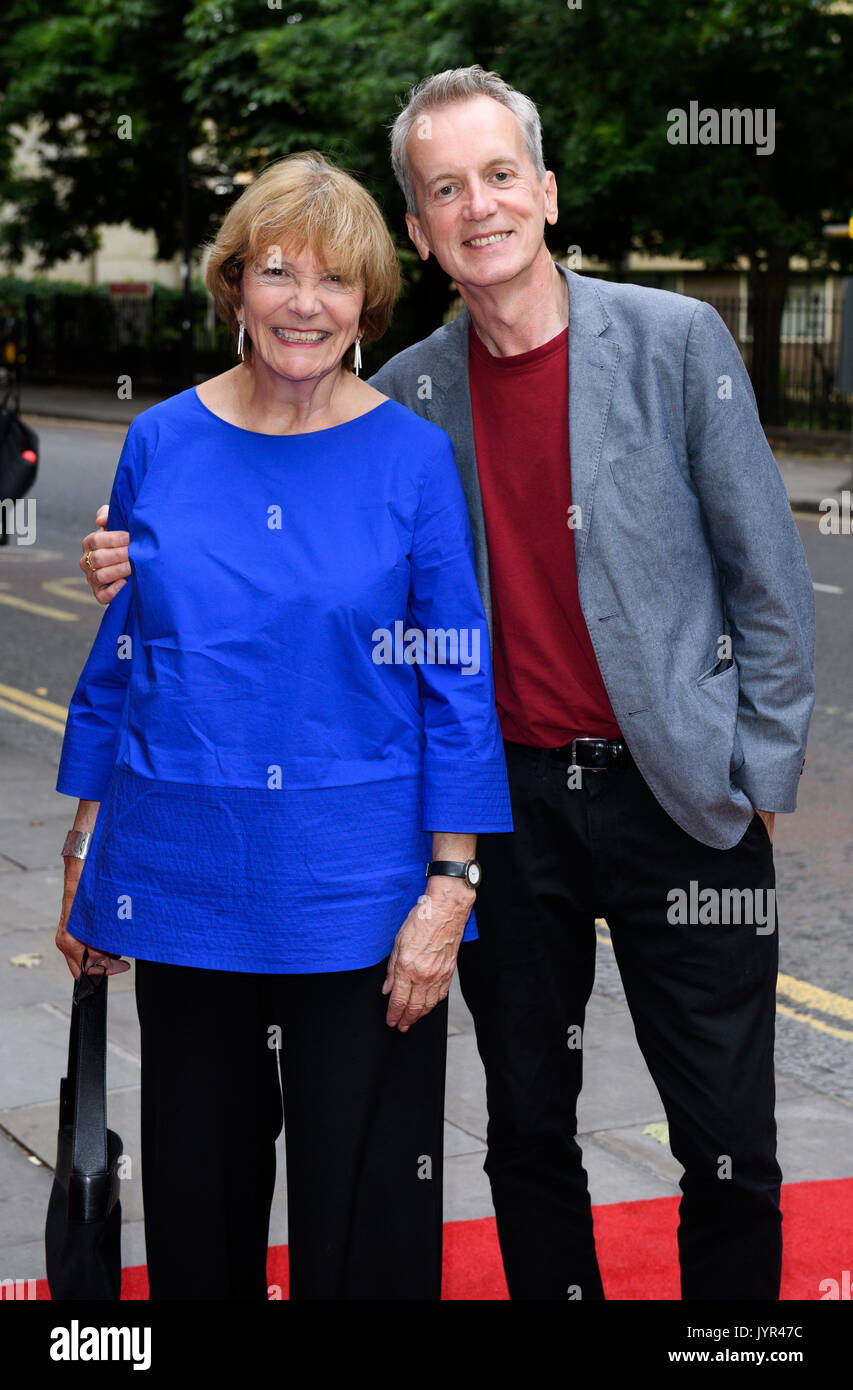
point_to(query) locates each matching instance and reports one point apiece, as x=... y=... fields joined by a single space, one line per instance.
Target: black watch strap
x=469 y=869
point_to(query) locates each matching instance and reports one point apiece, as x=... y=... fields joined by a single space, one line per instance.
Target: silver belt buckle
x=584 y=766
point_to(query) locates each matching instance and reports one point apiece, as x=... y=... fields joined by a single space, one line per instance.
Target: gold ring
x=89 y=561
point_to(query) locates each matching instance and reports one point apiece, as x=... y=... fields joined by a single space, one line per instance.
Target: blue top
x=292 y=691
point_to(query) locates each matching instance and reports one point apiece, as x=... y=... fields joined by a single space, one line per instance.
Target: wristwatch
x=76 y=844
x=470 y=870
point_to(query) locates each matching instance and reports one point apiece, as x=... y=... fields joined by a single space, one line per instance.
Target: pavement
x=84 y=403
x=622 y=1125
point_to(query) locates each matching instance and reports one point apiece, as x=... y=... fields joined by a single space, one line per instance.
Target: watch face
x=475 y=874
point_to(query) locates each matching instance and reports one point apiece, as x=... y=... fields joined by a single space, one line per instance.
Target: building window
x=806 y=317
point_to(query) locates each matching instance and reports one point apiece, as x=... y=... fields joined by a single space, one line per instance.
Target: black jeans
x=363 y=1115
x=702 y=1000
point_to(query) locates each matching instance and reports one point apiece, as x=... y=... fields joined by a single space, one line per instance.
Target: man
x=652 y=626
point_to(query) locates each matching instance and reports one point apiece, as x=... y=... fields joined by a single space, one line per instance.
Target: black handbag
x=19 y=449
x=82 y=1235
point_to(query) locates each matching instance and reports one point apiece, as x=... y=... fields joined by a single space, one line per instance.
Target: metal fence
x=95 y=338
x=809 y=346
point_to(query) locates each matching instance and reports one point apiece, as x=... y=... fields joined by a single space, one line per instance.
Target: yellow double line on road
x=797 y=991
x=68 y=589
x=33 y=708
x=27 y=606
x=813 y=997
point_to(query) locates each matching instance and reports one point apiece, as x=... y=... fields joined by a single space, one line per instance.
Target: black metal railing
x=97 y=338
x=803 y=357
x=93 y=338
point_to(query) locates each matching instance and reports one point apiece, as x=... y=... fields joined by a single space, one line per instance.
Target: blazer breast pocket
x=642 y=506
x=654 y=461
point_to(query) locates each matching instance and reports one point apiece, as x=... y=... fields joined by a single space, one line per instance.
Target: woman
x=275 y=773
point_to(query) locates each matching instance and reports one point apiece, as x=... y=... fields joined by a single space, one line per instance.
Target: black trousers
x=702 y=1000
x=363 y=1114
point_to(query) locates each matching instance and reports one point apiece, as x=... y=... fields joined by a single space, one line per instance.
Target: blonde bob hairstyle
x=305 y=203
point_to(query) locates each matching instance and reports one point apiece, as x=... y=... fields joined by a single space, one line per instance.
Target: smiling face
x=299 y=315
x=481 y=207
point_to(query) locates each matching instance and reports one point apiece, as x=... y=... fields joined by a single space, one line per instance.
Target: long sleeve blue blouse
x=290 y=694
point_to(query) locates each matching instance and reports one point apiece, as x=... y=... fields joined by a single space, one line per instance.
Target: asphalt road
x=44 y=648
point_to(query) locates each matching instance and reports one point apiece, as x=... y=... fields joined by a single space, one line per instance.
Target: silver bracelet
x=76 y=844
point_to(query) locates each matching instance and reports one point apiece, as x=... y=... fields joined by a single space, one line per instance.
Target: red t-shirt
x=547 y=683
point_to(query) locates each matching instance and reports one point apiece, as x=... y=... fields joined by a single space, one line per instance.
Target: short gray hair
x=456 y=84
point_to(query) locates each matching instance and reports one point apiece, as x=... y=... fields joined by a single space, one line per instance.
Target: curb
x=817 y=506
x=59 y=416
x=65 y=419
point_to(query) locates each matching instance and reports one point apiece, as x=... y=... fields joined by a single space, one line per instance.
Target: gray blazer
x=685 y=534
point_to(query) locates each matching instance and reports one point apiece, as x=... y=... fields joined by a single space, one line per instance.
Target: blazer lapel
x=592 y=372
x=450 y=407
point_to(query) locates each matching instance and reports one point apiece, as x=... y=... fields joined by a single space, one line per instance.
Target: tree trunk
x=768 y=287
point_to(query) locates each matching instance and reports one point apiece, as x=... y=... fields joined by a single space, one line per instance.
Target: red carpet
x=636 y=1249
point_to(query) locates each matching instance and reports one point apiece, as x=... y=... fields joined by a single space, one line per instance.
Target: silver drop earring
x=356 y=361
x=240 y=343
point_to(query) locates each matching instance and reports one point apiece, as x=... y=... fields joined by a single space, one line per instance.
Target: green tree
x=106 y=84
x=330 y=75
x=605 y=77
x=605 y=93
x=250 y=81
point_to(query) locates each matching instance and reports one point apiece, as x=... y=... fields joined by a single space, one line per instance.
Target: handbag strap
x=84 y=1098
x=9 y=414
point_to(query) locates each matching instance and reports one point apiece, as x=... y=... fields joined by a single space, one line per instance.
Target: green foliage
x=252 y=83
x=604 y=101
x=15 y=291
x=79 y=72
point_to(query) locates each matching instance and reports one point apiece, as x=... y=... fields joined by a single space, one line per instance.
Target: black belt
x=589 y=754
